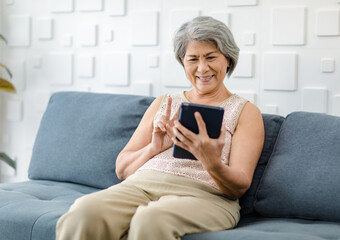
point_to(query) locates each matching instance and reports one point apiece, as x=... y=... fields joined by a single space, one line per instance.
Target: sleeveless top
x=165 y=162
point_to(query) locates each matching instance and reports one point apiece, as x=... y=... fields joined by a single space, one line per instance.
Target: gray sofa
x=295 y=192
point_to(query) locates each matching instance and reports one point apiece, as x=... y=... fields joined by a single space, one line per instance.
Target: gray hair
x=207 y=29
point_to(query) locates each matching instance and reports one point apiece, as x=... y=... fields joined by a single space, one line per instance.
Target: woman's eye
x=192 y=59
x=211 y=58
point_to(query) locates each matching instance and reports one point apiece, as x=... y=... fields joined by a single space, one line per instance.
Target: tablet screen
x=212 y=116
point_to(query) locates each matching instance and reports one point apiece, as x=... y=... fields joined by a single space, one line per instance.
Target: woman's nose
x=202 y=66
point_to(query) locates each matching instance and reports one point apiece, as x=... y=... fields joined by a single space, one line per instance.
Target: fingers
x=159 y=127
x=202 y=129
x=180 y=140
x=198 y=144
x=184 y=134
x=179 y=128
x=163 y=120
x=161 y=124
x=180 y=144
x=169 y=131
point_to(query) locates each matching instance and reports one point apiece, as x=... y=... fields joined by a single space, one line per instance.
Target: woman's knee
x=148 y=213
x=152 y=222
x=84 y=214
x=148 y=217
x=85 y=210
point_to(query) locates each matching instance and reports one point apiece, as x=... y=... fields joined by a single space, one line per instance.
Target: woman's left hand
x=207 y=150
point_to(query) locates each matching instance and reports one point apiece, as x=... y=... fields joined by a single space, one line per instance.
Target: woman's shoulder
x=251 y=109
x=250 y=113
x=240 y=111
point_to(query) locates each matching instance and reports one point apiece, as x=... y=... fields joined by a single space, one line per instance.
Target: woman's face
x=205 y=66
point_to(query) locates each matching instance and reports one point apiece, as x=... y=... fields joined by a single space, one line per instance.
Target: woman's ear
x=229 y=63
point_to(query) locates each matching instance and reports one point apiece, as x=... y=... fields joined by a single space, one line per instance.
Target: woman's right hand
x=162 y=131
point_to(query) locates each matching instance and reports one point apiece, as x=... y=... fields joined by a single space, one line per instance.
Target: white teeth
x=206 y=78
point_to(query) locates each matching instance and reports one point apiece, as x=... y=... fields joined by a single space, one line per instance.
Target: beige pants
x=148 y=205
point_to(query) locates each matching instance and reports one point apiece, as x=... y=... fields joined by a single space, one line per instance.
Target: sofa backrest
x=302 y=177
x=272 y=124
x=81 y=134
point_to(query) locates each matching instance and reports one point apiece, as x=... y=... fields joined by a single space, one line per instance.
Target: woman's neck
x=211 y=98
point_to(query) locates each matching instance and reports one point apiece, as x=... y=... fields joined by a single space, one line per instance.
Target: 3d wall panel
x=115 y=69
x=36 y=61
x=67 y=40
x=237 y=3
x=141 y=88
x=108 y=34
x=328 y=22
x=178 y=17
x=153 y=61
x=249 y=95
x=245 y=65
x=116 y=7
x=288 y=26
x=85 y=66
x=144 y=28
x=90 y=5
x=327 y=65
x=61 y=6
x=222 y=16
x=173 y=74
x=18 y=31
x=271 y=109
x=87 y=35
x=248 y=39
x=59 y=68
x=280 y=71
x=45 y=28
x=314 y=100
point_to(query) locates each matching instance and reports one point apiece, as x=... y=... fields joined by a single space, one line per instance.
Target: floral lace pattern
x=165 y=162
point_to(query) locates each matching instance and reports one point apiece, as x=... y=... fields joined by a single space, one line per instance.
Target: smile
x=205 y=78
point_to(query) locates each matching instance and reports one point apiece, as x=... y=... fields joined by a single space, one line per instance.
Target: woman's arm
x=246 y=147
x=147 y=141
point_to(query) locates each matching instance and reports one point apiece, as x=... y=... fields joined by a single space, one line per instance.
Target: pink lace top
x=165 y=162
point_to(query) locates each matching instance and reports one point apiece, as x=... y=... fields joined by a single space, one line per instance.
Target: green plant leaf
x=4 y=157
x=7 y=70
x=3 y=38
x=6 y=86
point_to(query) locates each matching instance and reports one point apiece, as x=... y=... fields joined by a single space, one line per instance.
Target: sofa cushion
x=81 y=134
x=274 y=229
x=302 y=177
x=272 y=125
x=30 y=210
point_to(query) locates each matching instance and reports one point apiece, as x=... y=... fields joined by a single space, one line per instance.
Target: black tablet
x=212 y=116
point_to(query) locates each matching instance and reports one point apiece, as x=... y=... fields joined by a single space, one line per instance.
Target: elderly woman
x=164 y=197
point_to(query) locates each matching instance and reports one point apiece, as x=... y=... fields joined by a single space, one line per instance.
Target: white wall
x=290 y=55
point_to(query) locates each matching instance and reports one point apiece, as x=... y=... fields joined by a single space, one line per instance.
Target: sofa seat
x=30 y=210
x=275 y=228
